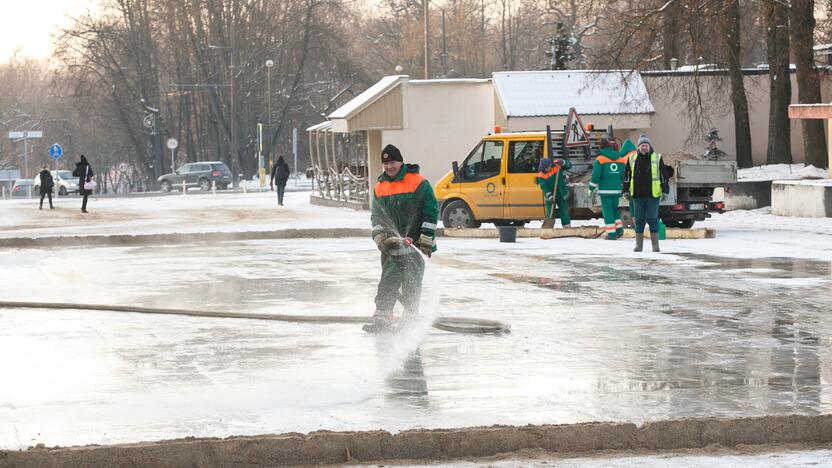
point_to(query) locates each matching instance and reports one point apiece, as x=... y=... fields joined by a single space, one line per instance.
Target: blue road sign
x=56 y=151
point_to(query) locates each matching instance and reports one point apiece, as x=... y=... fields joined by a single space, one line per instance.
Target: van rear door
x=524 y=199
x=480 y=179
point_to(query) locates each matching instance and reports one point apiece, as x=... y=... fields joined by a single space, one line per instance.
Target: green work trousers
x=612 y=217
x=562 y=206
x=401 y=278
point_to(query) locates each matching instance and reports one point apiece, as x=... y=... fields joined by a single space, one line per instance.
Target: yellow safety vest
x=654 y=172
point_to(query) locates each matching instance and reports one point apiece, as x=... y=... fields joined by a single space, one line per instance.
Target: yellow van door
x=524 y=199
x=481 y=179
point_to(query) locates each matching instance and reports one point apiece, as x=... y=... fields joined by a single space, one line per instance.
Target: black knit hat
x=391 y=153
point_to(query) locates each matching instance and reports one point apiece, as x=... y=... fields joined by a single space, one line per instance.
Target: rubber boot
x=654 y=240
x=382 y=322
x=639 y=242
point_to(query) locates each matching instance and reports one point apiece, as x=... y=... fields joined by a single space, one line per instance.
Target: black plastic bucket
x=507 y=233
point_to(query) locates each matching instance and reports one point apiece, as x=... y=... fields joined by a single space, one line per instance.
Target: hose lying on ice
x=451 y=324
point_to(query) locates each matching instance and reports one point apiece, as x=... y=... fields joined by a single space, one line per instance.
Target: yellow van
x=495 y=183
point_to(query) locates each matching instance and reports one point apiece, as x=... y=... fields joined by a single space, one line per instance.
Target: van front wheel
x=457 y=214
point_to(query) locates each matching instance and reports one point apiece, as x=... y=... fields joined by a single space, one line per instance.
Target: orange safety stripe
x=555 y=168
x=409 y=183
x=606 y=160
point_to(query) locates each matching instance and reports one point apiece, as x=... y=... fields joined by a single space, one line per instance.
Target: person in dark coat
x=83 y=171
x=280 y=175
x=46 y=186
x=645 y=183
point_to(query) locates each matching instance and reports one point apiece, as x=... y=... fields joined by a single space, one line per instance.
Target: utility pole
x=444 y=54
x=426 y=14
x=152 y=123
x=233 y=115
x=269 y=65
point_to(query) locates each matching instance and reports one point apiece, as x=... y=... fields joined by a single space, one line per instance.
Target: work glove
x=559 y=161
x=425 y=244
x=550 y=197
x=626 y=196
x=379 y=240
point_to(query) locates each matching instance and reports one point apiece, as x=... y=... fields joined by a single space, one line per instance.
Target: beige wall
x=443 y=122
x=670 y=126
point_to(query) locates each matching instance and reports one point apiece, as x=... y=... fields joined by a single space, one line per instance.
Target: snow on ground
x=174 y=213
x=706 y=458
x=780 y=172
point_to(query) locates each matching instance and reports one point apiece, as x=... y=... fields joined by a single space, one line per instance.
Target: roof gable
x=366 y=98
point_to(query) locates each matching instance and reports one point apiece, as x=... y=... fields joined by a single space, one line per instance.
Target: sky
x=31 y=25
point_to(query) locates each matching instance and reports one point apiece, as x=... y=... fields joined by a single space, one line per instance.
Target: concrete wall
x=443 y=122
x=669 y=130
x=804 y=198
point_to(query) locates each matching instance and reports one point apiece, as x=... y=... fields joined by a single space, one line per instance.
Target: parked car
x=19 y=187
x=198 y=174
x=65 y=182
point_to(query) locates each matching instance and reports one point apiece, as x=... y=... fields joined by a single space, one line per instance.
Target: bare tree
x=777 y=35
x=808 y=82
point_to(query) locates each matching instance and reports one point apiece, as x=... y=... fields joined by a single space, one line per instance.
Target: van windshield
x=64 y=175
x=484 y=161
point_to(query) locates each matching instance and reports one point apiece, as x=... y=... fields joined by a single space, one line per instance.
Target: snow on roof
x=367 y=97
x=323 y=126
x=451 y=81
x=547 y=93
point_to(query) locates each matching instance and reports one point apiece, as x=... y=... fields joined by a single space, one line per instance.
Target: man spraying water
x=404 y=214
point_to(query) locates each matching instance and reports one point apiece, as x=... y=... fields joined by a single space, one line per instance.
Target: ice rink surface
x=732 y=326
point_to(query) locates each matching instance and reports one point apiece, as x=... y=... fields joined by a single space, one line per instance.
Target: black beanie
x=391 y=153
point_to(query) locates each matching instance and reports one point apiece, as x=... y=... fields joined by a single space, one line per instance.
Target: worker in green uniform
x=607 y=175
x=555 y=191
x=404 y=214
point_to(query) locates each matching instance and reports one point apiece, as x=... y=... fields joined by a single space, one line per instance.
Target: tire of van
x=62 y=191
x=457 y=214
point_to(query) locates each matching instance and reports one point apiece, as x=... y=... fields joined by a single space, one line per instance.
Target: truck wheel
x=457 y=215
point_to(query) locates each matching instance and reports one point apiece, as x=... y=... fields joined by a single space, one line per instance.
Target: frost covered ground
x=732 y=326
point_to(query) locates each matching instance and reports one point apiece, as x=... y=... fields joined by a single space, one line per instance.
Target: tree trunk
x=670 y=35
x=808 y=82
x=777 y=51
x=739 y=101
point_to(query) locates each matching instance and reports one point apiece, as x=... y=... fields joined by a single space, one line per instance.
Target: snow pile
x=780 y=172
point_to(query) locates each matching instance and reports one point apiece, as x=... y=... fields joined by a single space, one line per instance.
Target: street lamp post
x=269 y=65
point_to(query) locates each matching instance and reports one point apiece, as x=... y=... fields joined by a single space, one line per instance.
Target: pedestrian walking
x=645 y=180
x=555 y=190
x=607 y=178
x=404 y=208
x=47 y=183
x=86 y=180
x=280 y=175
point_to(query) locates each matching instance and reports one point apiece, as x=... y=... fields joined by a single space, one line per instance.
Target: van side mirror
x=455 y=168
